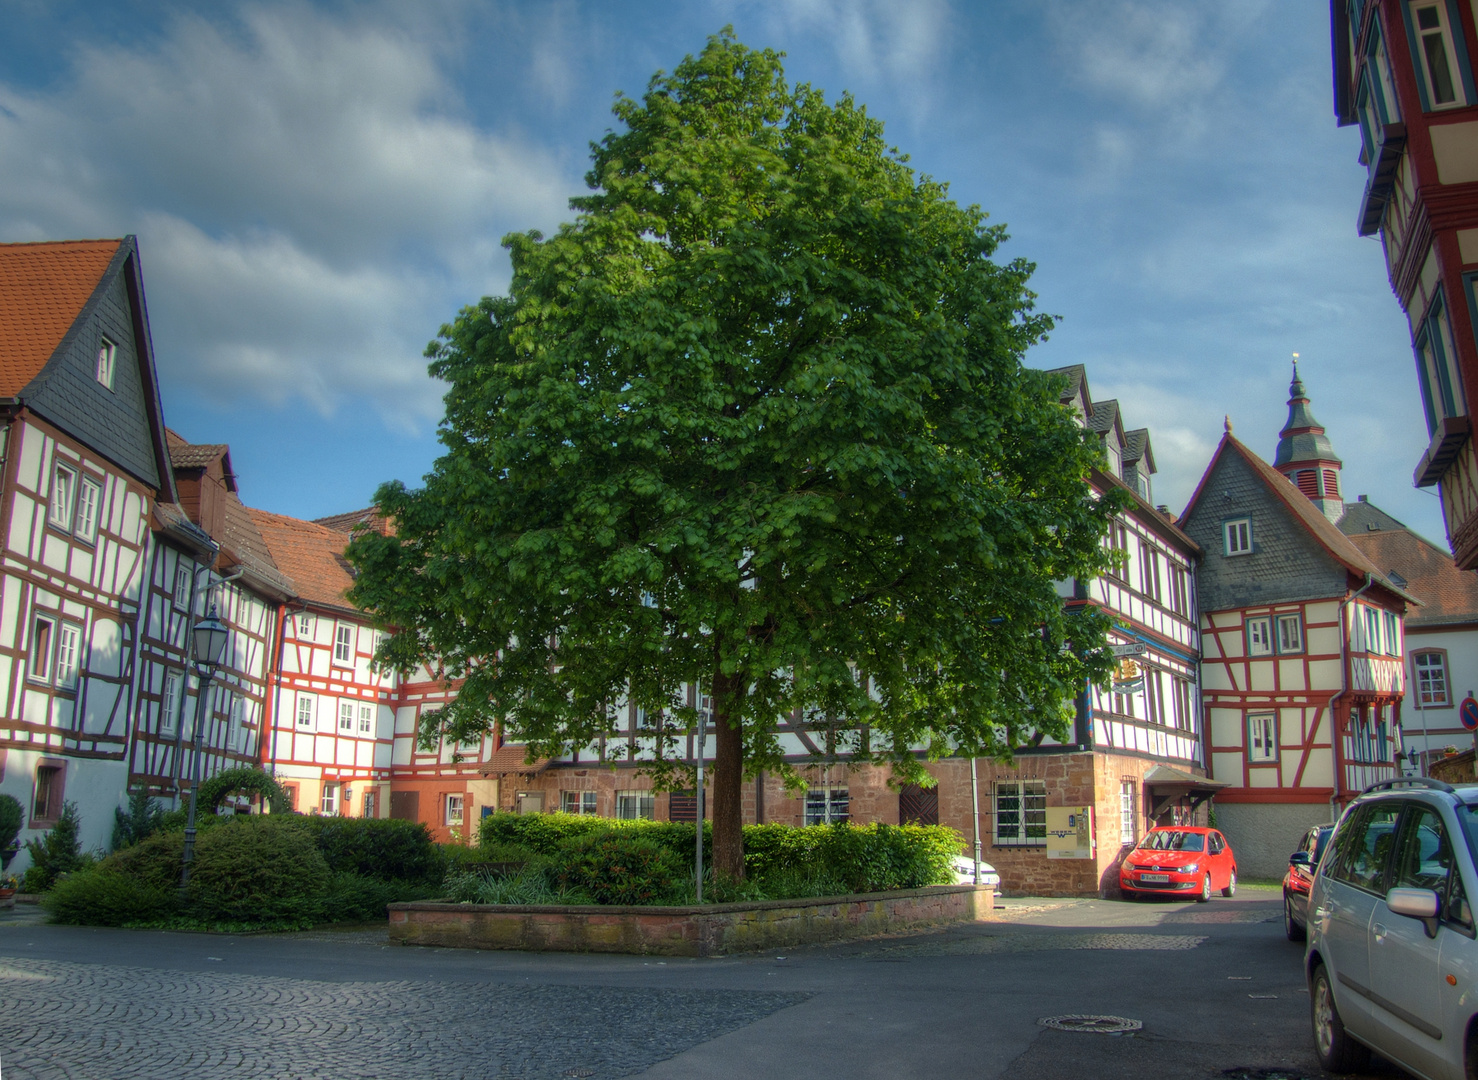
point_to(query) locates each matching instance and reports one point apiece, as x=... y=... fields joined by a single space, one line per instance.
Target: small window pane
x=346 y=716
x=366 y=719
x=305 y=711
x=1259 y=637
x=454 y=809
x=88 y=497
x=635 y=805
x=107 y=362
x=68 y=654
x=182 y=588
x=1290 y=634
x=344 y=644
x=1262 y=737
x=42 y=629
x=63 y=497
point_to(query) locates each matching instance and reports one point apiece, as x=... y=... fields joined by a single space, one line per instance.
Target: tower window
x=1308 y=482
x=1331 y=484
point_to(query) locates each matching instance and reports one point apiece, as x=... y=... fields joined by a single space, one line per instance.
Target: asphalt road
x=1216 y=987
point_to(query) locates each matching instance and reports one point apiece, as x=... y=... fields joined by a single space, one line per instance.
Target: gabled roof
x=1076 y=388
x=1324 y=531
x=43 y=289
x=1363 y=517
x=1137 y=446
x=1104 y=415
x=1448 y=595
x=1150 y=516
x=510 y=759
x=369 y=517
x=310 y=554
x=244 y=547
x=185 y=455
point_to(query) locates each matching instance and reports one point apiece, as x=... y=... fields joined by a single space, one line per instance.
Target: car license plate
x=1154 y=877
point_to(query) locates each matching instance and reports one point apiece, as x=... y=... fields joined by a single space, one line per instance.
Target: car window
x=1318 y=842
x=1217 y=843
x=1365 y=846
x=1173 y=840
x=1455 y=908
x=1423 y=855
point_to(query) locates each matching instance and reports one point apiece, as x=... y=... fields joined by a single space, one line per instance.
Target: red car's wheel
x=1231 y=889
x=1205 y=896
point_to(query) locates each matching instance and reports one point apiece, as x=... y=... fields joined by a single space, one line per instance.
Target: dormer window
x=107 y=362
x=1237 y=534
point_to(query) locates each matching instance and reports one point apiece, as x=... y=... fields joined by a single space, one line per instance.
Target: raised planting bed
x=698 y=930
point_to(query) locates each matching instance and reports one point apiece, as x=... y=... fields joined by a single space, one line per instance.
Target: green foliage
x=103 y=896
x=531 y=886
x=143 y=818
x=58 y=852
x=12 y=817
x=757 y=415
x=385 y=848
x=154 y=862
x=620 y=867
x=547 y=834
x=259 y=870
x=246 y=780
x=174 y=820
x=354 y=897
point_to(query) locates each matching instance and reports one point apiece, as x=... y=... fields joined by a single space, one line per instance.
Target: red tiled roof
x=348 y=523
x=244 y=545
x=310 y=554
x=511 y=759
x=1450 y=595
x=43 y=288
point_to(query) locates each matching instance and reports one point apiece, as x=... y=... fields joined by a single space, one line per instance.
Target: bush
x=385 y=848
x=258 y=870
x=228 y=782
x=355 y=898
x=142 y=819
x=11 y=819
x=153 y=862
x=174 y=820
x=531 y=886
x=105 y=897
x=619 y=867
x=58 y=852
x=546 y=834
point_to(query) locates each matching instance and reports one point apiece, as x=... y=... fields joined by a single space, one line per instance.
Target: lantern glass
x=211 y=637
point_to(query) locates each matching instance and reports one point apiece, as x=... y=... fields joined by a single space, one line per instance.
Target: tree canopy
x=756 y=420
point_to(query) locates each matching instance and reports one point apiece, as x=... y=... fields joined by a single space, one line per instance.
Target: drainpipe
x=1344 y=656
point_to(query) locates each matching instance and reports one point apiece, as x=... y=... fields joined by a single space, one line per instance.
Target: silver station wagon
x=1392 y=958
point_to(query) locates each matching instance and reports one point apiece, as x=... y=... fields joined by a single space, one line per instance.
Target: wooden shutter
x=918 y=805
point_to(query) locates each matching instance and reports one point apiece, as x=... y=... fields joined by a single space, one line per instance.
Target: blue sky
x=318 y=187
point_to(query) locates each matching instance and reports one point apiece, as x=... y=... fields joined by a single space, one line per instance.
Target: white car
x=1392 y=959
x=965 y=872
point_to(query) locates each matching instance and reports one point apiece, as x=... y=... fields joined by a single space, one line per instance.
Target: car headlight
x=1191 y=869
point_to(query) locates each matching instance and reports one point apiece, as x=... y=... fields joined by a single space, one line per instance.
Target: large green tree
x=757 y=420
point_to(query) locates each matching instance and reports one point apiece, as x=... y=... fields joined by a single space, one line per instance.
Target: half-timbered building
x=1302 y=644
x=208 y=558
x=84 y=464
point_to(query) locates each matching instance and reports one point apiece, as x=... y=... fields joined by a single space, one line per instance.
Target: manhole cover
x=1104 y=1025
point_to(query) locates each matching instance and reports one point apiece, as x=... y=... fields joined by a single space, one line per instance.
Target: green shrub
x=228 y=782
x=352 y=897
x=154 y=862
x=58 y=852
x=620 y=867
x=11 y=819
x=385 y=848
x=105 y=897
x=142 y=819
x=258 y=870
x=174 y=820
x=532 y=886
x=546 y=834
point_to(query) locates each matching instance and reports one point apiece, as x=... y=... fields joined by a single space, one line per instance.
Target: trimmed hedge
x=385 y=848
x=620 y=866
x=105 y=897
x=258 y=870
x=863 y=858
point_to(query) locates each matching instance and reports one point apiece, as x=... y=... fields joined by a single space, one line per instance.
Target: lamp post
x=210 y=638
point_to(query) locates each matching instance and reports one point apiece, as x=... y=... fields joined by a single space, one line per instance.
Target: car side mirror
x=1423 y=904
x=1300 y=858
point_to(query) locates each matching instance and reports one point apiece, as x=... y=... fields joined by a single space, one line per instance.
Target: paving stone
x=117 y=1023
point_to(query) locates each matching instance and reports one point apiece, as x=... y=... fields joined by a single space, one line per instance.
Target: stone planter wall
x=707 y=930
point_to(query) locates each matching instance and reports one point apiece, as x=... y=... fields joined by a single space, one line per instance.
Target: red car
x=1179 y=860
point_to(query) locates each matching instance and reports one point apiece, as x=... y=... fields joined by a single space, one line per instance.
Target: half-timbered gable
x=84 y=464
x=1301 y=655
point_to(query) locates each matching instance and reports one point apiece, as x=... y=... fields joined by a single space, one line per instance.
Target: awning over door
x=1167 y=787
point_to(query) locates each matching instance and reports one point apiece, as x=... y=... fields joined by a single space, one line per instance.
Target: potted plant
x=8 y=887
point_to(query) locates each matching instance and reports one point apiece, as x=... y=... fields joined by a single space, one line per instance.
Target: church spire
x=1305 y=455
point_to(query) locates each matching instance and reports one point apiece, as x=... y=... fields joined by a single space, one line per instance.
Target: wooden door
x=918 y=805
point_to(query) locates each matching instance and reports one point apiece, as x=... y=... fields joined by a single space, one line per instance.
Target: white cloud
x=275 y=169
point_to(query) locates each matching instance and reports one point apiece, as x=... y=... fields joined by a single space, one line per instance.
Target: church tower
x=1305 y=456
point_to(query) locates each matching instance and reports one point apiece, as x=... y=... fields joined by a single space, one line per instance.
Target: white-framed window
x=63 y=497
x=1260 y=636
x=1020 y=814
x=1128 y=810
x=344 y=644
x=1436 y=367
x=89 y=498
x=646 y=721
x=635 y=805
x=305 y=711
x=68 y=654
x=236 y=732
x=305 y=625
x=1437 y=60
x=1431 y=679
x=827 y=804
x=1372 y=630
x=577 y=802
x=346 y=717
x=1393 y=634
x=328 y=802
x=182 y=582
x=1290 y=633
x=1262 y=737
x=43 y=640
x=169 y=707
x=1237 y=535
x=107 y=362
x=366 y=719
x=454 y=809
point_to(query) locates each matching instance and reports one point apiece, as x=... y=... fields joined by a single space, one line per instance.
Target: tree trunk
x=728 y=775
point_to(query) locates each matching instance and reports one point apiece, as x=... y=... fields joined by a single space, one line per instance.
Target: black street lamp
x=210 y=637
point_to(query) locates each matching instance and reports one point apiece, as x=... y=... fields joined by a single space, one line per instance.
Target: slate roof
x=1363 y=517
x=1137 y=447
x=43 y=289
x=1304 y=512
x=1103 y=415
x=1448 y=595
x=310 y=554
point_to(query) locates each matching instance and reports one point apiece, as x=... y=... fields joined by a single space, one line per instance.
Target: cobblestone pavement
x=114 y=1023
